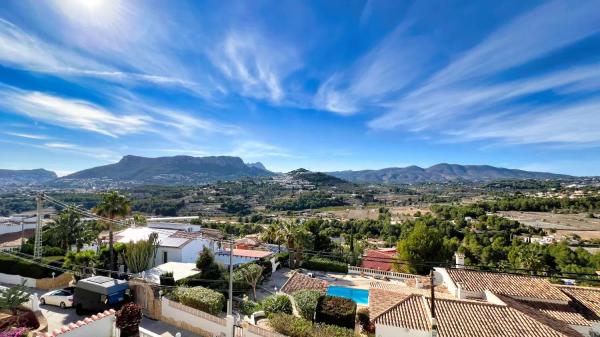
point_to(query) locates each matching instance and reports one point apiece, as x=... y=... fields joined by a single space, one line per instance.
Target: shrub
x=167 y=279
x=283 y=259
x=323 y=264
x=336 y=310
x=128 y=319
x=363 y=318
x=200 y=298
x=306 y=303
x=15 y=266
x=275 y=304
x=292 y=326
x=204 y=259
x=250 y=307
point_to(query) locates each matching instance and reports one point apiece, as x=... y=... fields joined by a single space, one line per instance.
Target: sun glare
x=91 y=12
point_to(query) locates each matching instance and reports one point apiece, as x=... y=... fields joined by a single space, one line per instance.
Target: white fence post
x=229 y=326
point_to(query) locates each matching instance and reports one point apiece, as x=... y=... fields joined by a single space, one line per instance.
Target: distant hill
x=441 y=173
x=25 y=177
x=257 y=165
x=170 y=170
x=316 y=178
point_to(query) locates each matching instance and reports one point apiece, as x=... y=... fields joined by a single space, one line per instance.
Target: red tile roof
x=379 y=259
x=465 y=318
x=300 y=281
x=258 y=254
x=518 y=286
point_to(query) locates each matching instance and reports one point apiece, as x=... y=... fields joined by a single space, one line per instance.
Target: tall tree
x=250 y=274
x=423 y=246
x=113 y=206
x=273 y=234
x=66 y=228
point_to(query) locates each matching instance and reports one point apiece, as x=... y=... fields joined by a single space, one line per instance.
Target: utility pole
x=37 y=248
x=434 y=328
x=230 y=302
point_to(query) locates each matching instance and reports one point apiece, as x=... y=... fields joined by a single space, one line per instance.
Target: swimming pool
x=360 y=296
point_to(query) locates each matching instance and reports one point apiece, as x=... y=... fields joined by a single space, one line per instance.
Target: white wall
x=392 y=331
x=102 y=327
x=17 y=279
x=173 y=255
x=6 y=228
x=188 y=317
x=190 y=252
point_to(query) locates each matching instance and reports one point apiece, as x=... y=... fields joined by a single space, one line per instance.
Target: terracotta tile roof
x=459 y=318
x=379 y=259
x=185 y=235
x=587 y=299
x=384 y=295
x=539 y=316
x=520 y=286
x=300 y=281
x=466 y=318
x=381 y=300
x=561 y=312
x=258 y=254
x=410 y=313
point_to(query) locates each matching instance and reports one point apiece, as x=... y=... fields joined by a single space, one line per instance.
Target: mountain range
x=197 y=170
x=173 y=170
x=441 y=173
x=26 y=177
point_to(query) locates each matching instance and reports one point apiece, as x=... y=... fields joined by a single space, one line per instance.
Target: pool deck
x=352 y=280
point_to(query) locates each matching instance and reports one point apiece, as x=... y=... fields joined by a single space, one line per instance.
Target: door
x=52 y=298
x=165 y=257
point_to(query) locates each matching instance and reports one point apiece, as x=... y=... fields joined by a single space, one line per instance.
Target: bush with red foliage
x=24 y=318
x=128 y=319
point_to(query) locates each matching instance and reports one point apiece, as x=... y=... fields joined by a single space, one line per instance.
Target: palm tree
x=289 y=234
x=273 y=234
x=112 y=206
x=65 y=228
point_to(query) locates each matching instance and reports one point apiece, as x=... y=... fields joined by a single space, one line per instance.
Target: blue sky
x=324 y=85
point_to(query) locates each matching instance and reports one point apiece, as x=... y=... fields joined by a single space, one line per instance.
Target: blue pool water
x=360 y=296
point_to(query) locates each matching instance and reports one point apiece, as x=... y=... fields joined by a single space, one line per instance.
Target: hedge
x=323 y=264
x=250 y=307
x=292 y=326
x=200 y=298
x=277 y=304
x=306 y=302
x=16 y=266
x=336 y=310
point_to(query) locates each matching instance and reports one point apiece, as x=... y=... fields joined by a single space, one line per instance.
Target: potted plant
x=128 y=320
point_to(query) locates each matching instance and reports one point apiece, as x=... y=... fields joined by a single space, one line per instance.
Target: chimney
x=459 y=260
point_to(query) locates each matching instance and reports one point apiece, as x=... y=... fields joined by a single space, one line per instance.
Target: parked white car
x=62 y=298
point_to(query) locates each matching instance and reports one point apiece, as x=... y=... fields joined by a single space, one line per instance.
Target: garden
x=319 y=315
x=15 y=319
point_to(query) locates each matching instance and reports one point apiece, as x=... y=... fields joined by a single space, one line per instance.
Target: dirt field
x=578 y=224
x=398 y=213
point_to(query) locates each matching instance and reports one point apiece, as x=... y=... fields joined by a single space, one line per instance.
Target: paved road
x=58 y=317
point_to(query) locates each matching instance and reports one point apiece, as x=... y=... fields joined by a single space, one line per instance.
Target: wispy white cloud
x=392 y=64
x=71 y=113
x=572 y=124
x=464 y=101
x=23 y=50
x=253 y=149
x=28 y=135
x=258 y=64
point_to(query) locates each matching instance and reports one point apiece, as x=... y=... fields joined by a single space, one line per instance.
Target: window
x=164 y=257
